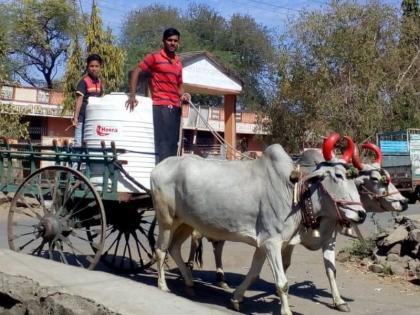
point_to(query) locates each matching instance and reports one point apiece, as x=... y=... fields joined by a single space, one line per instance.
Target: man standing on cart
x=165 y=70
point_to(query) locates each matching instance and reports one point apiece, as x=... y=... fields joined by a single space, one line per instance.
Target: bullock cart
x=61 y=210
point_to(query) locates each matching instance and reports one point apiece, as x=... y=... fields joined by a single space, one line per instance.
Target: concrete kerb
x=116 y=294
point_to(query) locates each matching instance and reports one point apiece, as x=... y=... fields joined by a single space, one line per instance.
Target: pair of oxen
x=255 y=202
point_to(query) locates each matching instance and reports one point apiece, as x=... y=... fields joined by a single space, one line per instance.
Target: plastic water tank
x=107 y=119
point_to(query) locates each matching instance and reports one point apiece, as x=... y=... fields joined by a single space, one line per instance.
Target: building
x=42 y=108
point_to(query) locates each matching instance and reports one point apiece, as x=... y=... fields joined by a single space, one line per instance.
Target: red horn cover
x=356 y=159
x=328 y=146
x=375 y=149
x=349 y=151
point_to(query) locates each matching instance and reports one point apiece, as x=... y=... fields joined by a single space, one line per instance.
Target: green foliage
x=101 y=42
x=74 y=70
x=41 y=38
x=344 y=69
x=10 y=123
x=239 y=43
x=5 y=28
x=361 y=249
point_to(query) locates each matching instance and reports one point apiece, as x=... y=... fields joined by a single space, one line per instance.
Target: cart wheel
x=129 y=240
x=50 y=213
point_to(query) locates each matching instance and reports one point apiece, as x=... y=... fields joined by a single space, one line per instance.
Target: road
x=366 y=293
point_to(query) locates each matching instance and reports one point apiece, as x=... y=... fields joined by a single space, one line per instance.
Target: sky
x=271 y=13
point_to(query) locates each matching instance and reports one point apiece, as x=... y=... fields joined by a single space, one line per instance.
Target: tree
x=5 y=40
x=74 y=70
x=339 y=70
x=102 y=43
x=254 y=58
x=142 y=31
x=41 y=38
x=250 y=53
x=11 y=125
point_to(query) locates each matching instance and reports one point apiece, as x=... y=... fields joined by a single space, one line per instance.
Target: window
x=6 y=92
x=215 y=114
x=238 y=117
x=43 y=96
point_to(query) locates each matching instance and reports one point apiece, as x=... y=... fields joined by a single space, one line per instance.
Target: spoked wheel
x=129 y=240
x=49 y=216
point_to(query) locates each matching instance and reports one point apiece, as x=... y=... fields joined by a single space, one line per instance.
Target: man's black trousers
x=166 y=121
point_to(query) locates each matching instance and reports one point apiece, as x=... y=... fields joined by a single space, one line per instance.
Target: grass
x=361 y=249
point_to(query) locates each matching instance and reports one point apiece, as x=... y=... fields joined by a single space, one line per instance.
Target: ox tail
x=198 y=255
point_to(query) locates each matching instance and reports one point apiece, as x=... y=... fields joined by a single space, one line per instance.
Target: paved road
x=366 y=293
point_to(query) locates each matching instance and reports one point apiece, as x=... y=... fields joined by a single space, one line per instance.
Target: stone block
x=414 y=235
x=397 y=268
x=393 y=257
x=376 y=268
x=378 y=259
x=398 y=235
x=413 y=264
x=395 y=249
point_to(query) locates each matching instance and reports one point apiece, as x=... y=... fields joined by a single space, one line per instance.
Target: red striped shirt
x=166 y=77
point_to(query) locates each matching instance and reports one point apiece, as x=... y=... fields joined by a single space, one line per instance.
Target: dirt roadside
x=366 y=293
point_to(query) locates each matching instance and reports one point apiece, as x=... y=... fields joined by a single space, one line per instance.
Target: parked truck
x=401 y=158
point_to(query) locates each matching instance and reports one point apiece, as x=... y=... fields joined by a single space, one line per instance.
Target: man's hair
x=94 y=57
x=170 y=32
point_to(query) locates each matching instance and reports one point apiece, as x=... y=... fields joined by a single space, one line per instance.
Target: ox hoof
x=223 y=285
x=164 y=289
x=344 y=307
x=235 y=304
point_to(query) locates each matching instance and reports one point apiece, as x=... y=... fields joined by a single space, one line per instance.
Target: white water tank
x=107 y=119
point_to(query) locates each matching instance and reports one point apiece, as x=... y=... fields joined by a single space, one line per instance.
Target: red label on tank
x=105 y=131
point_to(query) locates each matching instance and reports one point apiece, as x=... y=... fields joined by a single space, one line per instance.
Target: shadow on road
x=259 y=299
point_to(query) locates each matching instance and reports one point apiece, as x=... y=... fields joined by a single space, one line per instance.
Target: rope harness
x=305 y=204
x=385 y=179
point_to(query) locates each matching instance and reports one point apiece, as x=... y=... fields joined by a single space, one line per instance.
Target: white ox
x=246 y=201
x=378 y=194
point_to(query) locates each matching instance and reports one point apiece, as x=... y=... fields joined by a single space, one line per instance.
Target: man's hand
x=74 y=121
x=131 y=103
x=185 y=98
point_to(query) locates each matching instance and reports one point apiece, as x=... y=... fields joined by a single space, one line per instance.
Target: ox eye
x=338 y=175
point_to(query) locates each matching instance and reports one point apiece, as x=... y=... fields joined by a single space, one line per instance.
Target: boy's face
x=94 y=68
x=171 y=43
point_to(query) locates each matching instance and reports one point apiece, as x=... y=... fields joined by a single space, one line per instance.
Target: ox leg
x=253 y=273
x=196 y=238
x=220 y=274
x=162 y=245
x=273 y=250
x=286 y=254
x=179 y=237
x=328 y=251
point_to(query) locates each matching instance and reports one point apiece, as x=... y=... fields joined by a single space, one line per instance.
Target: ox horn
x=328 y=146
x=349 y=151
x=376 y=150
x=356 y=159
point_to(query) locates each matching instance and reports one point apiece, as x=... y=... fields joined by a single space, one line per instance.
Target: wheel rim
x=129 y=240
x=50 y=213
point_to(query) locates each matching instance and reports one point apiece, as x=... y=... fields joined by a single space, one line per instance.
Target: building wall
x=25 y=94
x=59 y=127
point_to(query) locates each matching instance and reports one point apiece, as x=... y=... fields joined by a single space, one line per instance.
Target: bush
x=361 y=249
